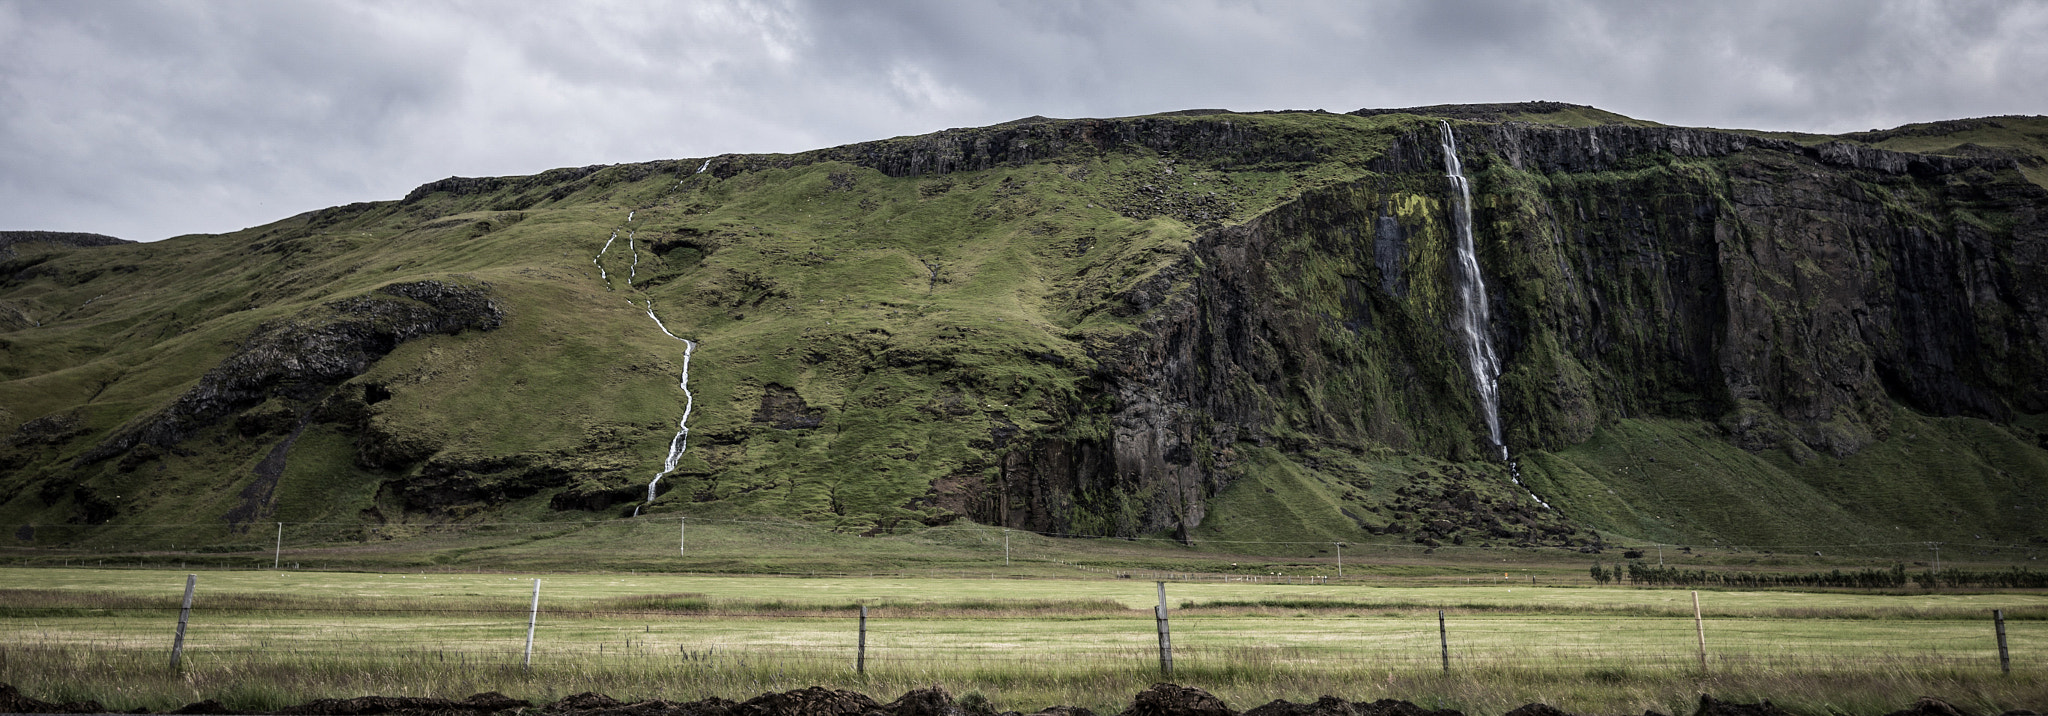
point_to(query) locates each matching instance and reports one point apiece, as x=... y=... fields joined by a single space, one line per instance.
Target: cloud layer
x=151 y=119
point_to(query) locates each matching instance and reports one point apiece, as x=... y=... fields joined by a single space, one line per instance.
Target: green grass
x=266 y=639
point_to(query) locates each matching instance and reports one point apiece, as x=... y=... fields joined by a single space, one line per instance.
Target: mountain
x=1224 y=327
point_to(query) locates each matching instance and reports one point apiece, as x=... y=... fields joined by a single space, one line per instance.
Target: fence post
x=184 y=615
x=1443 y=637
x=1165 y=638
x=860 y=655
x=2004 y=657
x=532 y=618
x=1700 y=626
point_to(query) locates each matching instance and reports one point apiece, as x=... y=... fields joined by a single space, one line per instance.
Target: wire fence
x=660 y=541
x=459 y=634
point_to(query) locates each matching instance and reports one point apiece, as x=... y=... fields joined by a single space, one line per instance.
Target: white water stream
x=681 y=441
x=1472 y=310
x=599 y=259
x=1471 y=287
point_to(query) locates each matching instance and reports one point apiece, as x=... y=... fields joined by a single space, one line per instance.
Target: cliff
x=1221 y=327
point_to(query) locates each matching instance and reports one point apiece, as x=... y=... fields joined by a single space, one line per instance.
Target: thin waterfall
x=1472 y=318
x=603 y=275
x=681 y=441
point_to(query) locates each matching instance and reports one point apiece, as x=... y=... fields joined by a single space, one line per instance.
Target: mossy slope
x=1226 y=327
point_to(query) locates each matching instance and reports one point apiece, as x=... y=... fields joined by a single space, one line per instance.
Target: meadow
x=264 y=639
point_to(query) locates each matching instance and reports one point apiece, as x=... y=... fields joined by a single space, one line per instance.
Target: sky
x=145 y=120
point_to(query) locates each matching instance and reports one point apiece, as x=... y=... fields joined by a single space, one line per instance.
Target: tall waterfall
x=1472 y=318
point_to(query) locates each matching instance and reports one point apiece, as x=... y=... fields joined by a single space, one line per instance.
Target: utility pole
x=277 y=557
x=683 y=537
x=1340 y=560
x=1006 y=548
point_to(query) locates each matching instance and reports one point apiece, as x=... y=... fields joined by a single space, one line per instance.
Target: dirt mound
x=484 y=703
x=814 y=701
x=1393 y=707
x=1537 y=710
x=1710 y=706
x=14 y=702
x=934 y=701
x=1176 y=700
x=1159 y=700
x=1325 y=706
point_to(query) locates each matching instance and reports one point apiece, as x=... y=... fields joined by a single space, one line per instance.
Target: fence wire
x=463 y=636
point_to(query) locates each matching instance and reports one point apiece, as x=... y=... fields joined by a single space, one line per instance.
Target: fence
x=503 y=631
x=659 y=539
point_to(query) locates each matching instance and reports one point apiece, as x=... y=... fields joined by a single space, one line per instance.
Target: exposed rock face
x=1797 y=290
x=300 y=359
x=59 y=238
x=1791 y=293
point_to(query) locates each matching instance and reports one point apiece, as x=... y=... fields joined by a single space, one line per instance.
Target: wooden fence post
x=1165 y=637
x=1443 y=637
x=532 y=618
x=2004 y=657
x=184 y=615
x=860 y=655
x=1700 y=626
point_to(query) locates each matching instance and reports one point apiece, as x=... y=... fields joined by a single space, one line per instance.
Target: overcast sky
x=146 y=120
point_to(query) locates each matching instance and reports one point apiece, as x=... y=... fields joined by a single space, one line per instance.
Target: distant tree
x=1599 y=573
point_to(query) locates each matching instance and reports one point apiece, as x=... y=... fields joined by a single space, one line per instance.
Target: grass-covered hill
x=1226 y=327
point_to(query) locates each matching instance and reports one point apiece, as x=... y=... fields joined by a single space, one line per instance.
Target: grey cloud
x=150 y=119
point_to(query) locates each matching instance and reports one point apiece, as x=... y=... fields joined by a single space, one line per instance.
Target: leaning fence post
x=185 y=615
x=860 y=655
x=1700 y=626
x=532 y=618
x=1443 y=637
x=2004 y=658
x=1165 y=637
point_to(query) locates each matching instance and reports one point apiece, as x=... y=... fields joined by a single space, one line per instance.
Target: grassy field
x=265 y=639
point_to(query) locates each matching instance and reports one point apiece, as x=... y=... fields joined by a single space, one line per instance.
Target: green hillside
x=1229 y=328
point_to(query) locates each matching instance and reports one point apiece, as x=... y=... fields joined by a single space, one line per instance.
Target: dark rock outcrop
x=1789 y=293
x=299 y=359
x=8 y=239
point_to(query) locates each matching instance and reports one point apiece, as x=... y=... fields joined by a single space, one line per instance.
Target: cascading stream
x=633 y=272
x=1472 y=309
x=1472 y=314
x=680 y=443
x=603 y=275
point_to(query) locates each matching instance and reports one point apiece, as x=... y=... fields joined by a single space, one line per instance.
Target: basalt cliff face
x=1215 y=326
